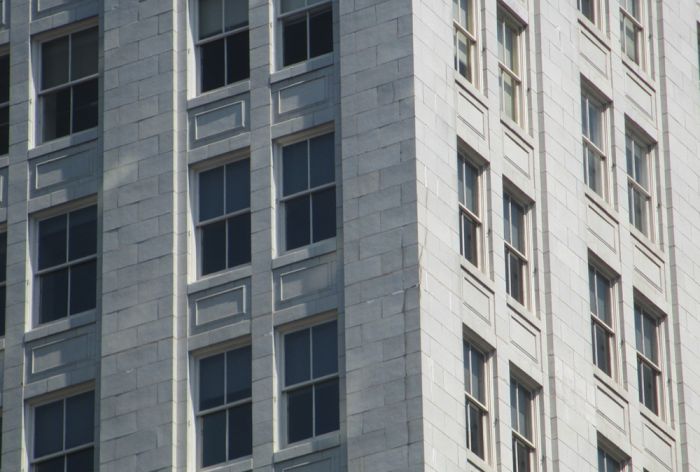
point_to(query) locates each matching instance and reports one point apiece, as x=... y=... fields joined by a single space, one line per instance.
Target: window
x=64 y=434
x=225 y=415
x=308 y=191
x=67 y=266
x=68 y=91
x=469 y=209
x=589 y=8
x=594 y=167
x=639 y=184
x=602 y=332
x=307 y=29
x=466 y=50
x=3 y=280
x=311 y=381
x=515 y=248
x=224 y=217
x=521 y=406
x=475 y=399
x=648 y=362
x=607 y=463
x=509 y=79
x=632 y=30
x=4 y=102
x=223 y=43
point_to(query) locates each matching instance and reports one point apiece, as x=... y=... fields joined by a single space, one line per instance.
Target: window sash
x=224 y=32
x=606 y=343
x=481 y=422
x=319 y=5
x=310 y=382
x=639 y=206
x=631 y=46
x=650 y=402
x=597 y=278
x=64 y=451
x=462 y=36
x=309 y=191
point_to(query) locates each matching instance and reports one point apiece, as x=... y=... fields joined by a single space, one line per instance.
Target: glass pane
x=320 y=33
x=211 y=381
x=213 y=65
x=522 y=457
x=323 y=218
x=591 y=290
x=54 y=62
x=506 y=218
x=80 y=419
x=85 y=106
x=470 y=188
x=507 y=46
x=603 y=302
x=82 y=232
x=237 y=57
x=239 y=240
x=629 y=153
x=213 y=247
x=630 y=39
x=297 y=221
x=84 y=53
x=509 y=96
x=514 y=405
x=56 y=118
x=211 y=193
x=295 y=168
x=210 y=17
x=53 y=298
x=477 y=375
x=289 y=5
x=586 y=7
x=235 y=14
x=601 y=345
x=469 y=239
x=322 y=160
x=595 y=125
x=514 y=276
x=240 y=431
x=297 y=357
x=463 y=56
x=639 y=207
x=650 y=344
x=4 y=78
x=83 y=287
x=237 y=186
x=325 y=349
x=3 y=256
x=595 y=173
x=475 y=431
x=214 y=438
x=517 y=214
x=81 y=461
x=524 y=414
x=640 y=166
x=4 y=130
x=48 y=428
x=638 y=328
x=299 y=414
x=648 y=387
x=294 y=40
x=2 y=314
x=327 y=409
x=53 y=465
x=238 y=375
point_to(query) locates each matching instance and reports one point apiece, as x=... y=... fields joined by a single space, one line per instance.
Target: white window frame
x=521 y=255
x=608 y=455
x=597 y=321
x=517 y=436
x=469 y=35
x=597 y=9
x=506 y=20
x=589 y=147
x=635 y=189
x=655 y=366
x=638 y=25
x=482 y=406
x=464 y=158
x=306 y=10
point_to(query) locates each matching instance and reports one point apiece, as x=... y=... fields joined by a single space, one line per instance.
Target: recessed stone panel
x=471 y=114
x=659 y=447
x=641 y=95
x=298 y=282
x=61 y=353
x=302 y=95
x=219 y=120
x=648 y=267
x=602 y=227
x=611 y=408
x=516 y=153
x=524 y=337
x=476 y=299
x=63 y=169
x=594 y=53
x=220 y=305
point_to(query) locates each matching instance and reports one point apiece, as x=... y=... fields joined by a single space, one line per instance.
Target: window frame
x=509 y=194
x=507 y=20
x=588 y=99
x=282 y=430
x=638 y=24
x=607 y=455
x=596 y=321
x=198 y=414
x=517 y=437
x=5 y=52
x=464 y=159
x=470 y=400
x=471 y=39
x=305 y=11
x=640 y=307
x=3 y=284
x=636 y=189
x=37 y=43
x=596 y=6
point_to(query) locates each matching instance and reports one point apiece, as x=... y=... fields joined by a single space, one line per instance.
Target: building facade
x=350 y=235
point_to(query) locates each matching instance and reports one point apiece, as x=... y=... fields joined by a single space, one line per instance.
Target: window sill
x=62 y=325
x=611 y=384
x=313 y=250
x=239 y=465
x=523 y=311
x=473 y=91
x=645 y=241
x=302 y=68
x=220 y=93
x=219 y=278
x=517 y=130
x=64 y=142
x=477 y=461
x=638 y=72
x=476 y=272
x=656 y=421
x=595 y=31
x=308 y=446
x=602 y=204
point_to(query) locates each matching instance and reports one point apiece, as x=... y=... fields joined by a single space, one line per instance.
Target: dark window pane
x=240 y=431
x=513 y=271
x=53 y=465
x=477 y=376
x=56 y=120
x=84 y=53
x=325 y=349
x=297 y=222
x=324 y=214
x=48 y=428
x=2 y=311
x=211 y=193
x=294 y=40
x=4 y=79
x=83 y=287
x=601 y=348
x=213 y=65
x=213 y=247
x=80 y=423
x=295 y=168
x=235 y=14
x=211 y=382
x=81 y=461
x=52 y=241
x=238 y=60
x=468 y=228
x=322 y=161
x=299 y=415
x=82 y=233
x=326 y=403
x=238 y=375
x=475 y=431
x=521 y=457
x=54 y=62
x=3 y=256
x=210 y=12
x=297 y=357
x=214 y=438
x=239 y=240
x=238 y=185
x=85 y=106
x=53 y=300
x=320 y=33
x=524 y=414
x=4 y=130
